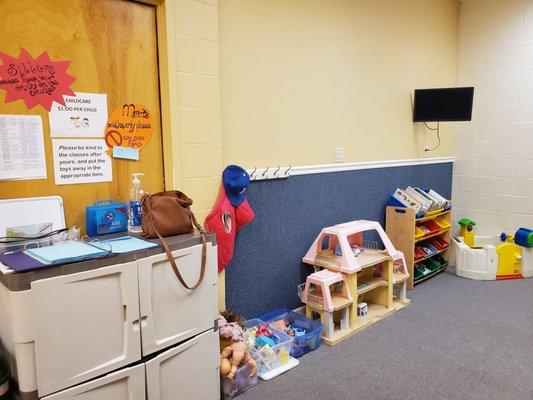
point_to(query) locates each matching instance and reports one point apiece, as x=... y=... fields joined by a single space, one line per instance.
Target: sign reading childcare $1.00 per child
x=81 y=161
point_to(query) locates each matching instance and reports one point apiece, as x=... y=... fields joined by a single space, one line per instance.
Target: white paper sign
x=83 y=115
x=22 y=147
x=81 y=161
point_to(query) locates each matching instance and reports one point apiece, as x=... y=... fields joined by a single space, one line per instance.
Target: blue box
x=105 y=217
x=300 y=344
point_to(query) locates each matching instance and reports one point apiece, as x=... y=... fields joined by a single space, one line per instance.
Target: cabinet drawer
x=85 y=325
x=169 y=312
x=185 y=372
x=126 y=384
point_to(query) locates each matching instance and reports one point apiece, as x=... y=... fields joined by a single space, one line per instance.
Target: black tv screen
x=447 y=104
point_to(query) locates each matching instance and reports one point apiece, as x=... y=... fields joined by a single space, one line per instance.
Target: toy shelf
x=401 y=228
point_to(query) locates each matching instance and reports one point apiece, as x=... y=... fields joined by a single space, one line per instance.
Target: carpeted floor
x=459 y=339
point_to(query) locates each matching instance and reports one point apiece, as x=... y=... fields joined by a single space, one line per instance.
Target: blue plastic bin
x=301 y=344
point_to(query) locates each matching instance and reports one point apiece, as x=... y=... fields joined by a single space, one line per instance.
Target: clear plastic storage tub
x=231 y=388
x=274 y=357
x=300 y=344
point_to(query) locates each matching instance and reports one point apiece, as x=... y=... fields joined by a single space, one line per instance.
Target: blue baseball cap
x=236 y=181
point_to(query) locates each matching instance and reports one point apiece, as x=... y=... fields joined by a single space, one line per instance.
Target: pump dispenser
x=134 y=204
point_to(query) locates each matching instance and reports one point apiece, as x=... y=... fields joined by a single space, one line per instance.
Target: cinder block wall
x=493 y=168
x=200 y=148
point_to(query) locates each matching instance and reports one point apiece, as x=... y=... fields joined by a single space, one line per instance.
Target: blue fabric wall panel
x=266 y=267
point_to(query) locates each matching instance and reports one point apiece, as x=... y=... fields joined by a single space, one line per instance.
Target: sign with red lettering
x=35 y=80
x=129 y=126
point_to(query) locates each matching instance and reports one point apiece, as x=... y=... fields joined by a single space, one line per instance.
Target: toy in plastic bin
x=245 y=378
x=306 y=333
x=274 y=359
x=105 y=217
x=236 y=353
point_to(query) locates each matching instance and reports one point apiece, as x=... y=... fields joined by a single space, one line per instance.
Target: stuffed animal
x=235 y=354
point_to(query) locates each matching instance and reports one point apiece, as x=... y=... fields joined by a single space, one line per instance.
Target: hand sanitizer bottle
x=134 y=205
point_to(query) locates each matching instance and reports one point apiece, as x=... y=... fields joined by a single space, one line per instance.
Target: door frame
x=168 y=84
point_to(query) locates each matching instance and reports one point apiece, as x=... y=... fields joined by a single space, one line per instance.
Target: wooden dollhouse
x=355 y=263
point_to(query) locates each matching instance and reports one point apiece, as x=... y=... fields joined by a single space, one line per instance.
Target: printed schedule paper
x=22 y=147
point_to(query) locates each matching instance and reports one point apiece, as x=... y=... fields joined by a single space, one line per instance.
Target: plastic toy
x=262 y=330
x=236 y=354
x=264 y=340
x=507 y=256
x=362 y=309
x=350 y=268
x=466 y=232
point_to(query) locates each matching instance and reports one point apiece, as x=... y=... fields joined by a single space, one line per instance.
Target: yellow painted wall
x=301 y=77
x=267 y=82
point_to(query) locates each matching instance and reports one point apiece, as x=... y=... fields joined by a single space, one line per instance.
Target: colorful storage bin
x=429 y=227
x=419 y=233
x=300 y=344
x=274 y=357
x=439 y=243
x=442 y=223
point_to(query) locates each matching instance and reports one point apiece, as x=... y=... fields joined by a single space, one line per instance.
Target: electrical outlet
x=339 y=154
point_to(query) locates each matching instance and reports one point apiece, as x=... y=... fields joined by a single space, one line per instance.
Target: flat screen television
x=446 y=104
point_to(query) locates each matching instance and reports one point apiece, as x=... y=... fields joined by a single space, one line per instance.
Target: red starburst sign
x=35 y=80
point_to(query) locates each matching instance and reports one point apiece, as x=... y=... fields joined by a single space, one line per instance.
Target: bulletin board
x=112 y=46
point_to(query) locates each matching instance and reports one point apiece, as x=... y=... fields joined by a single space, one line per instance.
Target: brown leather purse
x=167 y=214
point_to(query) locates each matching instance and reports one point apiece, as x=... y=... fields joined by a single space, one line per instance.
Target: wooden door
x=113 y=48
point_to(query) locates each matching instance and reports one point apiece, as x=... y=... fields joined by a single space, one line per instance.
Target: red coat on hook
x=230 y=213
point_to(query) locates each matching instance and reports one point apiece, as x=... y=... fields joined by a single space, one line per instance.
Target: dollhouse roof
x=348 y=262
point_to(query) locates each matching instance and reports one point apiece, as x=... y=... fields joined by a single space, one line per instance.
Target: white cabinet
x=169 y=312
x=81 y=331
x=186 y=372
x=126 y=384
x=85 y=325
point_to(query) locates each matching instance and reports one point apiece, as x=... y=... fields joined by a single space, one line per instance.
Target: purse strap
x=169 y=252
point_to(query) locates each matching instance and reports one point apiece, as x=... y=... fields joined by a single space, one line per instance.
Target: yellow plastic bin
x=419 y=233
x=442 y=223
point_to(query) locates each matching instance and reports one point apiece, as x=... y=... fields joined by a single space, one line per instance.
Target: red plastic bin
x=430 y=227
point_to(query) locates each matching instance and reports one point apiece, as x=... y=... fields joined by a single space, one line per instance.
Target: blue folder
x=125 y=244
x=66 y=252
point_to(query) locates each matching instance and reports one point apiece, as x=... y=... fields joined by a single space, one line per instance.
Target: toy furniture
x=74 y=331
x=408 y=233
x=371 y=274
x=327 y=300
x=501 y=257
